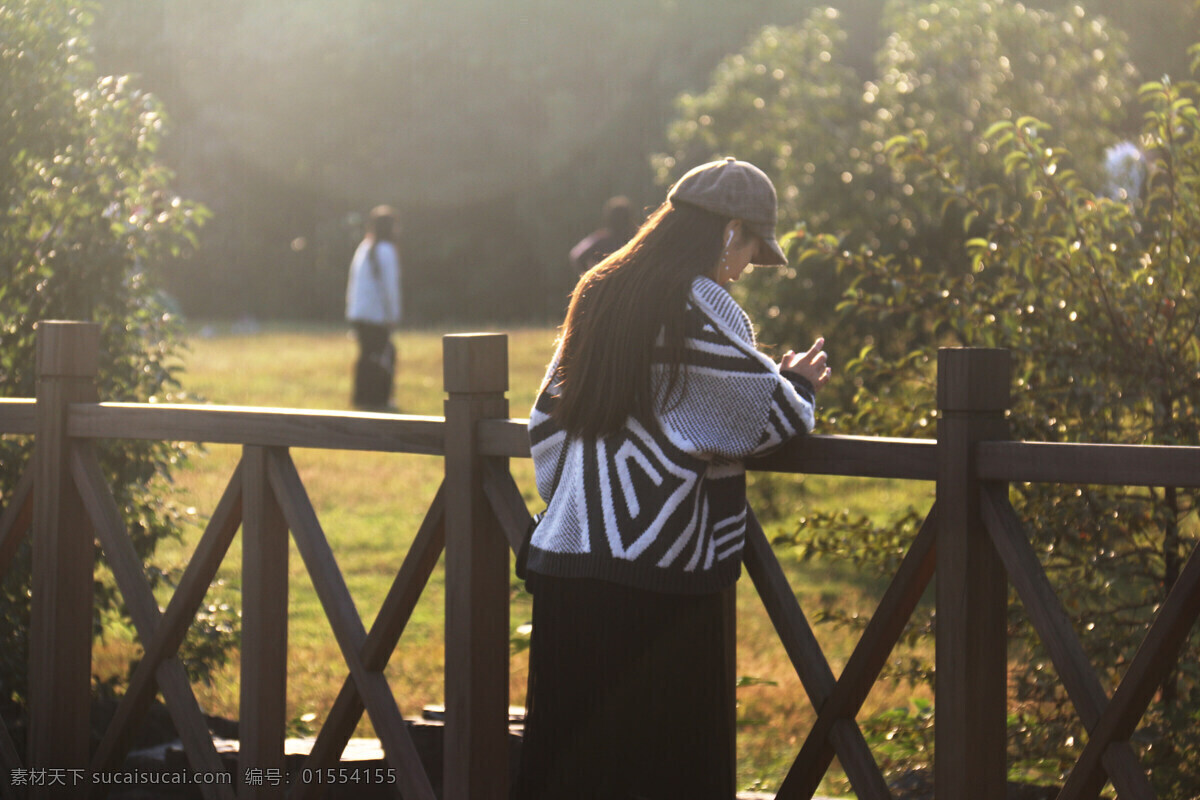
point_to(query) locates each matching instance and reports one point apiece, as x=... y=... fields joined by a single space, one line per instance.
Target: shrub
x=86 y=213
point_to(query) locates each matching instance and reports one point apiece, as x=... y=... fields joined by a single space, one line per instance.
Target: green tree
x=1094 y=296
x=957 y=199
x=86 y=211
x=790 y=103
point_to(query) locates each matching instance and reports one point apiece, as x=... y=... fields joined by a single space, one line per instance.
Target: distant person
x=1124 y=171
x=599 y=244
x=373 y=308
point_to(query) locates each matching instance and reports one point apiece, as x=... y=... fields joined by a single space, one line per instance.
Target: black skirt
x=630 y=695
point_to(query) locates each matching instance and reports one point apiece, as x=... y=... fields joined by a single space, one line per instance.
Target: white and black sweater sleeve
x=734 y=402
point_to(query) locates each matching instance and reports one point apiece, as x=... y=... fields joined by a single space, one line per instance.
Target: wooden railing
x=971 y=537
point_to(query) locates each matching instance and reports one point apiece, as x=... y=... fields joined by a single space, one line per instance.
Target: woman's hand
x=810 y=365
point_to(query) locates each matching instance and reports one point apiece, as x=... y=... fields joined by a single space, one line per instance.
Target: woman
x=373 y=308
x=656 y=394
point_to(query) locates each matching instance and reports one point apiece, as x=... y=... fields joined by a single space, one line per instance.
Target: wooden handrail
x=506 y=438
x=847 y=456
x=1098 y=464
x=854 y=456
x=259 y=427
x=18 y=416
x=837 y=455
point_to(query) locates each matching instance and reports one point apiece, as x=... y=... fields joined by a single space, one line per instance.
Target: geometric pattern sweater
x=661 y=505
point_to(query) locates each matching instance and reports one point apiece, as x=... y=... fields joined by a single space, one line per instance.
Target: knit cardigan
x=662 y=505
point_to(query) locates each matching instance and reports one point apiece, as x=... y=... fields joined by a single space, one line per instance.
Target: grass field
x=370 y=506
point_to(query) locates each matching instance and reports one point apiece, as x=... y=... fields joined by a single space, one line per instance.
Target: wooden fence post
x=60 y=623
x=475 y=372
x=263 y=701
x=972 y=590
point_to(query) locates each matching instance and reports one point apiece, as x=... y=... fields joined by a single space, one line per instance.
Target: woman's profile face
x=741 y=247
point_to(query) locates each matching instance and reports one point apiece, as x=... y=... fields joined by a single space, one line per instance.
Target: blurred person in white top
x=373 y=308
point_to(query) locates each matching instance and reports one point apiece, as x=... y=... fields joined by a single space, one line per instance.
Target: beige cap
x=738 y=190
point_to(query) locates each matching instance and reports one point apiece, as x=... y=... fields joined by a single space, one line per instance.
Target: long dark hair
x=617 y=311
